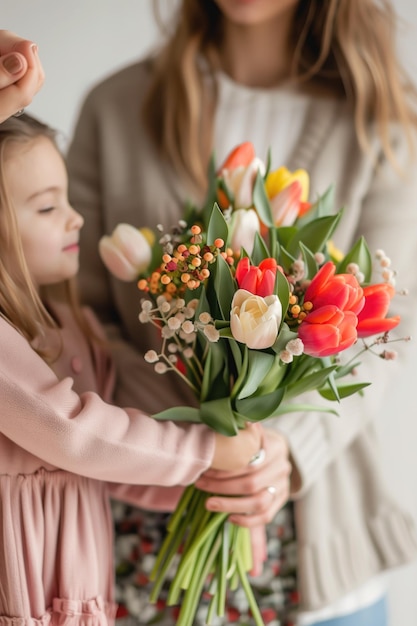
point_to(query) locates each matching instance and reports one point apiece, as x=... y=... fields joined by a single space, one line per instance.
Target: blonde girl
x=64 y=449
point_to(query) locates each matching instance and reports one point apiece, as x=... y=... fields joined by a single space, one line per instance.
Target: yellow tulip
x=282 y=177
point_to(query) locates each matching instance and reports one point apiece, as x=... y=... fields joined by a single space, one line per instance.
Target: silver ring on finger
x=258 y=458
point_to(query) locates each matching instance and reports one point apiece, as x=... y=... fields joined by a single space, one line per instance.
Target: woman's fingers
x=257 y=508
x=259 y=549
x=21 y=73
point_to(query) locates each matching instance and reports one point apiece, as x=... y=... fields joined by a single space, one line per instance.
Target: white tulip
x=254 y=320
x=244 y=225
x=126 y=252
x=240 y=181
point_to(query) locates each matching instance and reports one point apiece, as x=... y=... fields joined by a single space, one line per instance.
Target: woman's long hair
x=20 y=303
x=345 y=46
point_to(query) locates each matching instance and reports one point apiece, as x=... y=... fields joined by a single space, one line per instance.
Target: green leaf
x=261 y=201
x=259 y=364
x=315 y=234
x=179 y=414
x=260 y=250
x=218 y=415
x=310 y=263
x=257 y=408
x=211 y=195
x=282 y=290
x=273 y=378
x=225 y=286
x=358 y=254
x=304 y=408
x=323 y=206
x=286 y=259
x=285 y=234
x=242 y=373
x=343 y=391
x=215 y=376
x=274 y=246
x=311 y=382
x=217 y=226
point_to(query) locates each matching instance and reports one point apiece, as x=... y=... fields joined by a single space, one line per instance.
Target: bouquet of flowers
x=254 y=307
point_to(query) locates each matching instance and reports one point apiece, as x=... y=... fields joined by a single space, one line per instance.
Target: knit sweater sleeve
x=388 y=220
x=85 y=435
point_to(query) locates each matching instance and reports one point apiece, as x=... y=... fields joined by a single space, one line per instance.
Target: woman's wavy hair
x=20 y=303
x=346 y=46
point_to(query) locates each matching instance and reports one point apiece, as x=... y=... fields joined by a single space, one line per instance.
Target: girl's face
x=254 y=12
x=49 y=227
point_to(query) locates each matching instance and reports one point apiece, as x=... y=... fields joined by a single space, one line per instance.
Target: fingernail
x=34 y=48
x=13 y=64
x=212 y=505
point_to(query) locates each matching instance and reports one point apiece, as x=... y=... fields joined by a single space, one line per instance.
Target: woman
x=319 y=83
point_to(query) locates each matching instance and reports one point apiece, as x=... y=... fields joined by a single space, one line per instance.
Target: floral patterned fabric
x=138 y=537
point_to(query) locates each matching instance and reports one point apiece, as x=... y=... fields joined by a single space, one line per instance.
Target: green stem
x=172 y=527
x=186 y=559
x=256 y=614
x=206 y=556
x=222 y=569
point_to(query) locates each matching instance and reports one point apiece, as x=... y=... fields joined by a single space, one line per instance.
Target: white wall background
x=82 y=41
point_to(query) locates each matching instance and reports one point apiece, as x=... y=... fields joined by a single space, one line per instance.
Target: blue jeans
x=374 y=615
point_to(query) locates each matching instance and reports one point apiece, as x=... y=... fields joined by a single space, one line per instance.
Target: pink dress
x=61 y=456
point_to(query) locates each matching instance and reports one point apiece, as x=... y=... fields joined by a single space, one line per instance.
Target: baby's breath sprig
x=176 y=320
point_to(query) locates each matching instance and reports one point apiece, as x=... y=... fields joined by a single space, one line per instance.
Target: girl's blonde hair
x=20 y=303
x=347 y=47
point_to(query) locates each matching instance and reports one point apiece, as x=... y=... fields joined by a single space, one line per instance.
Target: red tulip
x=336 y=299
x=342 y=290
x=372 y=320
x=328 y=330
x=259 y=280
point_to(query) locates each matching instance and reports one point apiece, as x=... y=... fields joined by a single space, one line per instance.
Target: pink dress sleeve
x=87 y=436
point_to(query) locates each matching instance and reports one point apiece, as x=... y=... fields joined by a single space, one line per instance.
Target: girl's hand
x=263 y=488
x=21 y=73
x=234 y=453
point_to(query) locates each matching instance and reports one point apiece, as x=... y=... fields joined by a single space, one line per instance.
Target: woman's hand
x=263 y=488
x=21 y=73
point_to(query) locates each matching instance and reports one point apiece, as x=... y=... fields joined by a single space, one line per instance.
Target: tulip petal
x=242 y=155
x=115 y=261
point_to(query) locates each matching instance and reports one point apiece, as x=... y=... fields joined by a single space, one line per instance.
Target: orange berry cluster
x=186 y=268
x=297 y=312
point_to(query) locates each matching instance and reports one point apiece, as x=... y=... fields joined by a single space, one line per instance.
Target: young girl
x=61 y=453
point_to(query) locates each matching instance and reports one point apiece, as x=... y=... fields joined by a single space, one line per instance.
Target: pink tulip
x=126 y=252
x=371 y=319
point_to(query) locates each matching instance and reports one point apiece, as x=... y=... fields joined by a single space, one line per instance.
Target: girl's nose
x=76 y=220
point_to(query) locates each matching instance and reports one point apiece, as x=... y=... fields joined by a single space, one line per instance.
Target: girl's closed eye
x=46 y=209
